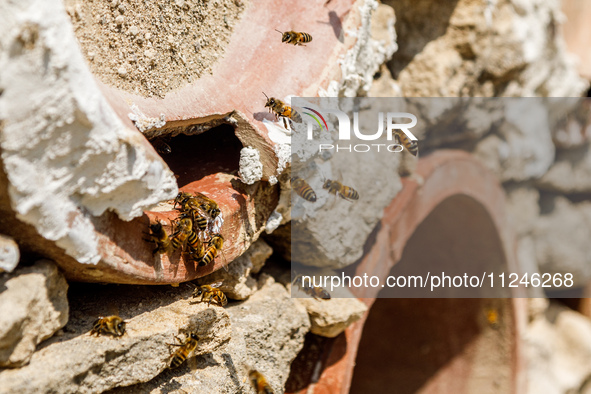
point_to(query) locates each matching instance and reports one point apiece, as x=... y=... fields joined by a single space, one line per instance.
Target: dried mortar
x=148 y=47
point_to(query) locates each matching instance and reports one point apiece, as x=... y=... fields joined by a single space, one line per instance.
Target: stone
x=561 y=237
x=496 y=48
x=9 y=254
x=331 y=317
x=558 y=350
x=523 y=207
x=77 y=362
x=331 y=231
x=67 y=154
x=34 y=306
x=521 y=148
x=570 y=173
x=237 y=282
x=375 y=44
x=268 y=332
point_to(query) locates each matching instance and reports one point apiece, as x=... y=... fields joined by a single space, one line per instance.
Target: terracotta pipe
x=446 y=340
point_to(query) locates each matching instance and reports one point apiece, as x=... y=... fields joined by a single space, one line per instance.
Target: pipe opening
x=411 y=345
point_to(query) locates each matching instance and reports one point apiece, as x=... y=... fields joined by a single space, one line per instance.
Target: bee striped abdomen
x=302 y=189
x=410 y=145
x=349 y=193
x=305 y=37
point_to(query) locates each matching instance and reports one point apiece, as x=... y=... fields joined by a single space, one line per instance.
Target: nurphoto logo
x=395 y=131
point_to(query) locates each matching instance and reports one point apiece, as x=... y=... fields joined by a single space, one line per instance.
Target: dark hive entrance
x=194 y=156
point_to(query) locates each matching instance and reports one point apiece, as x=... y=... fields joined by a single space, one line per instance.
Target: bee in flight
x=492 y=317
x=313 y=291
x=260 y=382
x=410 y=145
x=214 y=247
x=159 y=237
x=111 y=325
x=337 y=188
x=211 y=293
x=186 y=347
x=302 y=189
x=279 y=108
x=294 y=37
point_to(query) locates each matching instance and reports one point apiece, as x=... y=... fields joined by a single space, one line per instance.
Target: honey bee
x=410 y=145
x=112 y=325
x=183 y=352
x=208 y=205
x=184 y=232
x=302 y=189
x=214 y=247
x=337 y=188
x=161 y=146
x=492 y=317
x=294 y=37
x=159 y=237
x=260 y=382
x=211 y=293
x=279 y=108
x=313 y=291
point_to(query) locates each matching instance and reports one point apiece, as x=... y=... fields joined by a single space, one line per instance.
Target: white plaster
x=66 y=154
x=251 y=168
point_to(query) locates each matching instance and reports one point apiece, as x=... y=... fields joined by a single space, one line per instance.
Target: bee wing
x=216 y=284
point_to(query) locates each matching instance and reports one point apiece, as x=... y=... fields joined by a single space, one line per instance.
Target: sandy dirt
x=151 y=47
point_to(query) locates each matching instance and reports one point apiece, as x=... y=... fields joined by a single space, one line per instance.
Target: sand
x=151 y=47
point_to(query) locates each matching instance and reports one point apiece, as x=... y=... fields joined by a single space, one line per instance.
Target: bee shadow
x=260 y=116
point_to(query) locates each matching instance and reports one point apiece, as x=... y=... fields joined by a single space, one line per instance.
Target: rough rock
x=561 y=236
x=237 y=282
x=570 y=173
x=268 y=332
x=331 y=317
x=558 y=350
x=331 y=231
x=34 y=306
x=376 y=42
x=66 y=153
x=76 y=362
x=251 y=168
x=9 y=254
x=522 y=207
x=494 y=48
x=521 y=148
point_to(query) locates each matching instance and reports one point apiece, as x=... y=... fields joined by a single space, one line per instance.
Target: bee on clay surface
x=159 y=236
x=110 y=325
x=260 y=382
x=214 y=247
x=186 y=347
x=279 y=108
x=303 y=189
x=184 y=232
x=337 y=188
x=211 y=293
x=410 y=145
x=294 y=37
x=208 y=205
x=313 y=291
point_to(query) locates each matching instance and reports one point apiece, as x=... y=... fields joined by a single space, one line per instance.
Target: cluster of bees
x=196 y=231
